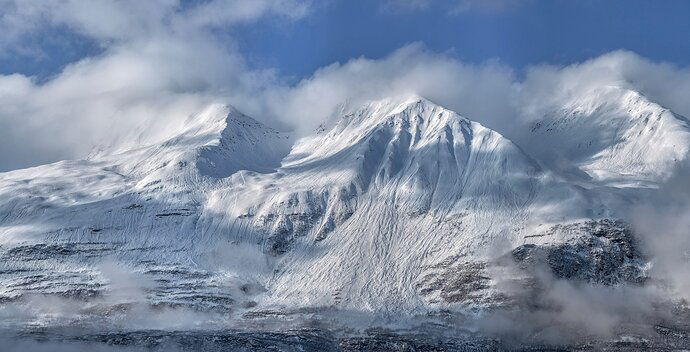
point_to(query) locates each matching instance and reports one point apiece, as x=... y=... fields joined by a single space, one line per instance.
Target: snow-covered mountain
x=611 y=136
x=381 y=209
x=141 y=207
x=359 y=212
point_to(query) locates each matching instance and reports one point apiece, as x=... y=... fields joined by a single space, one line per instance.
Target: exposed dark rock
x=42 y=251
x=176 y=212
x=460 y=282
x=606 y=253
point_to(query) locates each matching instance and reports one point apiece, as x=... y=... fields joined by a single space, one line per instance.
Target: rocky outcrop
x=606 y=253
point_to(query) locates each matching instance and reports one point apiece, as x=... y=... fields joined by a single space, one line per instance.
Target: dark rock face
x=41 y=251
x=321 y=340
x=455 y=280
x=305 y=339
x=606 y=253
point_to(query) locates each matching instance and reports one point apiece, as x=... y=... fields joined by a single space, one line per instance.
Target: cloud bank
x=161 y=61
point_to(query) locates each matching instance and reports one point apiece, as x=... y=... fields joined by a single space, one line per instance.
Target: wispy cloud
x=453 y=7
x=405 y=5
x=486 y=6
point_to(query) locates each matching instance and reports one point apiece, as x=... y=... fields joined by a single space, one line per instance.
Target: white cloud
x=161 y=61
x=548 y=85
x=406 y=5
x=224 y=12
x=409 y=70
x=490 y=93
x=663 y=225
x=108 y=20
x=485 y=5
x=453 y=7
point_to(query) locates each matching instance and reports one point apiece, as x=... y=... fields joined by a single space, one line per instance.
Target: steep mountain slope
x=61 y=222
x=612 y=136
x=373 y=212
x=360 y=212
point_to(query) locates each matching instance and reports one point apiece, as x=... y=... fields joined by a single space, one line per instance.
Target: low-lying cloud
x=663 y=224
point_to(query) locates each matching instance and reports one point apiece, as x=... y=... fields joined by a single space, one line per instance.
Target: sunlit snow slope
x=366 y=214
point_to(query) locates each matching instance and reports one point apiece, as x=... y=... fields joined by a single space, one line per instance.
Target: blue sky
x=519 y=34
x=80 y=75
x=532 y=32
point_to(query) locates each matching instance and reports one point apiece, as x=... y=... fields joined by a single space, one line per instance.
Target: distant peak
x=608 y=97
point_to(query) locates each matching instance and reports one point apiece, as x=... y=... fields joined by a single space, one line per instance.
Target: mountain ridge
x=360 y=215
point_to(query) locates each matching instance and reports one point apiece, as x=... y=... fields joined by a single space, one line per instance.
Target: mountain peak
x=387 y=138
x=616 y=136
x=399 y=108
x=397 y=104
x=216 y=142
x=402 y=100
x=215 y=120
